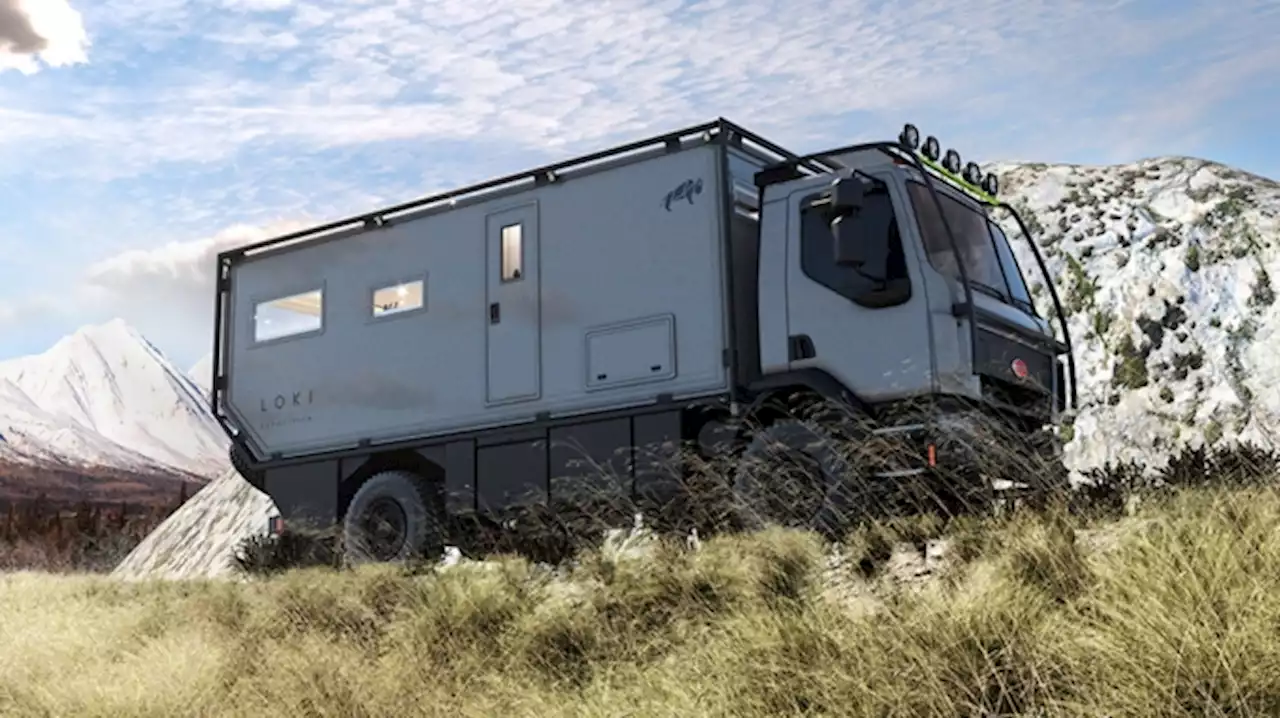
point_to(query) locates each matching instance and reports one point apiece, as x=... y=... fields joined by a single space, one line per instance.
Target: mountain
x=1165 y=267
x=35 y=435
x=201 y=373
x=105 y=397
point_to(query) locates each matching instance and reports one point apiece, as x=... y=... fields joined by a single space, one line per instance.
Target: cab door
x=867 y=326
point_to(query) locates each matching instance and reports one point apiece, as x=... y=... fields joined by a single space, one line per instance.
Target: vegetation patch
x=1130 y=368
x=1083 y=609
x=1083 y=289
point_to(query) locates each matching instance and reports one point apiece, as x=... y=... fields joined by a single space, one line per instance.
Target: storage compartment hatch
x=631 y=352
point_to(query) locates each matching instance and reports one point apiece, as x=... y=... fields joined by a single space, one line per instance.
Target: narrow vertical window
x=512 y=253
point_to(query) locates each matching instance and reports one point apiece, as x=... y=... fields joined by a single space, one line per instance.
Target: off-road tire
x=771 y=488
x=255 y=477
x=395 y=517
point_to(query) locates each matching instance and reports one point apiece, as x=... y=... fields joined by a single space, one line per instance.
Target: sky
x=140 y=137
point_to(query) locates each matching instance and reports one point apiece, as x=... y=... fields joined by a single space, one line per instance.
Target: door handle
x=495 y=314
x=800 y=346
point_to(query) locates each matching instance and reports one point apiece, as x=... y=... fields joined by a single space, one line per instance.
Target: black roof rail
x=719 y=129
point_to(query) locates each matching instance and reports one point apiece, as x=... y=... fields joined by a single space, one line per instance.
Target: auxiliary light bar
x=969 y=177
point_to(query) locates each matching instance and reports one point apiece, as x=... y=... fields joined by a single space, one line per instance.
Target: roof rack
x=719 y=130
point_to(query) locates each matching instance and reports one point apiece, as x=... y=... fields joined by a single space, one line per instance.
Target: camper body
x=498 y=346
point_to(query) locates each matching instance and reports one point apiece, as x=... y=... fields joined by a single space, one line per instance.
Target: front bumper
x=963 y=445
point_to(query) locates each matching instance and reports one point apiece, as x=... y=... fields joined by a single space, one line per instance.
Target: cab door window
x=882 y=281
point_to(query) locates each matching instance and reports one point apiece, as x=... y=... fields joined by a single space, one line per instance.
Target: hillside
x=1165 y=267
x=103 y=405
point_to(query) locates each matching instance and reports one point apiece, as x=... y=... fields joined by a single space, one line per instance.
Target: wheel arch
x=408 y=460
x=776 y=396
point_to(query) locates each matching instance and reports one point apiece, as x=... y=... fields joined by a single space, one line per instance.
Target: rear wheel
x=395 y=516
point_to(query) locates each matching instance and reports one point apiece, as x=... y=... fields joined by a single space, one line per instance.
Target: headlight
x=951 y=162
x=932 y=149
x=910 y=137
x=991 y=184
x=973 y=174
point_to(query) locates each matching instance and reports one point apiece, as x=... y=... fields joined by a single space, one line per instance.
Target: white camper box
x=604 y=291
x=487 y=348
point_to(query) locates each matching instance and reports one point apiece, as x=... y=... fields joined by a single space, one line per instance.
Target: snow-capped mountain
x=34 y=434
x=201 y=373
x=1164 y=267
x=104 y=396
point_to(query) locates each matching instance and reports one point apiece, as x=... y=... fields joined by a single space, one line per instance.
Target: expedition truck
x=493 y=347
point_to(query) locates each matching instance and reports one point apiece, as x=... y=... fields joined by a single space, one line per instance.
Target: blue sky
x=148 y=134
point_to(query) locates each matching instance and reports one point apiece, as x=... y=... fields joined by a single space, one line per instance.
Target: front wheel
x=793 y=475
x=395 y=516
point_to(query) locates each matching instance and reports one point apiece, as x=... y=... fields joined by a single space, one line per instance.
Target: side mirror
x=848 y=250
x=847 y=194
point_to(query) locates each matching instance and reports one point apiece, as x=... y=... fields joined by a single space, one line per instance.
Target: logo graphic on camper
x=686 y=190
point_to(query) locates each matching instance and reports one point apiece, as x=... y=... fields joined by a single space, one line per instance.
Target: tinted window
x=984 y=249
x=1012 y=272
x=883 y=281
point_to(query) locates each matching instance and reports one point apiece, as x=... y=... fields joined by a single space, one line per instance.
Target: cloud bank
x=195 y=117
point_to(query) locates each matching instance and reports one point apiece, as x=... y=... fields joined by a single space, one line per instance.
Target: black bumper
x=961 y=445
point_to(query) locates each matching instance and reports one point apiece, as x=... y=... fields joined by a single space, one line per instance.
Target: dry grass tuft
x=1177 y=617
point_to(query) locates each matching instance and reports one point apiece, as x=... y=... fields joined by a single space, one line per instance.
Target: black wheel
x=795 y=475
x=395 y=516
x=240 y=463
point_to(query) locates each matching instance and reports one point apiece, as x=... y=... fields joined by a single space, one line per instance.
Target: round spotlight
x=991 y=184
x=932 y=148
x=951 y=162
x=973 y=174
x=910 y=137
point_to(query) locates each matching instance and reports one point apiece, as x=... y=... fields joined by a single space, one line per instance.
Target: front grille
x=1011 y=397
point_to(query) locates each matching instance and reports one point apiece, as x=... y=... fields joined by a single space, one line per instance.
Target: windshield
x=984 y=248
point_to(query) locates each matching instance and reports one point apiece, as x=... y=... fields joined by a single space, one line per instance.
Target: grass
x=1172 y=612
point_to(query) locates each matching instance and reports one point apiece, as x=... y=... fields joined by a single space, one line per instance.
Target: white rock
x=199 y=540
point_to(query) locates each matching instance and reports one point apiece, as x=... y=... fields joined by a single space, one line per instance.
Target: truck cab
x=888 y=273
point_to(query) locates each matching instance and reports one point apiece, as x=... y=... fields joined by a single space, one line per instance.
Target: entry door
x=513 y=290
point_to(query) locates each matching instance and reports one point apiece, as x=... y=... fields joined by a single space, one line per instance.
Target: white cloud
x=166 y=291
x=257 y=5
x=545 y=74
x=49 y=31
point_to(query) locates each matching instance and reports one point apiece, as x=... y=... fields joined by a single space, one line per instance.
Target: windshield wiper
x=988 y=290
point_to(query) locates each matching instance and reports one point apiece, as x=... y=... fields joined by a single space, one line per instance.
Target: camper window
x=512 y=253
x=398 y=298
x=295 y=314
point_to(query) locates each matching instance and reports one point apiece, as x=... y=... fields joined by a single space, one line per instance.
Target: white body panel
x=620 y=299
x=880 y=354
